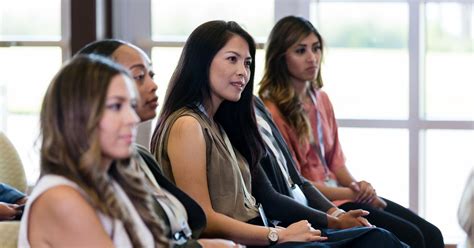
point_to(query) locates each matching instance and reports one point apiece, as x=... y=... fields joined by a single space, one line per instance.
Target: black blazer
x=318 y=204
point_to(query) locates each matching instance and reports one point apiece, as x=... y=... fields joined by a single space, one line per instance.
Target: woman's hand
x=379 y=203
x=300 y=231
x=365 y=191
x=218 y=243
x=349 y=219
x=8 y=211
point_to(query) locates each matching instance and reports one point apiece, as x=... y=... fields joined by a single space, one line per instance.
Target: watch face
x=273 y=236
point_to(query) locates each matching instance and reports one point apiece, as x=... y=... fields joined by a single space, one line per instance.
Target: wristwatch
x=272 y=236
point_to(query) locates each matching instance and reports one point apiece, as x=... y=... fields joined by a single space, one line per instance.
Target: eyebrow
x=141 y=66
x=116 y=97
x=315 y=43
x=237 y=54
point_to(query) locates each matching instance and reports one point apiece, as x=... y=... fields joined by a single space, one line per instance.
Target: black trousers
x=405 y=224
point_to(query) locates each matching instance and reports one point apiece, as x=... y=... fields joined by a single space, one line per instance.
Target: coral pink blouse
x=306 y=158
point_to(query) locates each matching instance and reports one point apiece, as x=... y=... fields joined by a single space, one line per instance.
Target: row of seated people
x=220 y=172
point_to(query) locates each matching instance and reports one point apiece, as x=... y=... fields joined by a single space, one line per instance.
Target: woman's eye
x=151 y=74
x=134 y=105
x=300 y=50
x=317 y=48
x=139 y=77
x=232 y=59
x=248 y=63
x=114 y=106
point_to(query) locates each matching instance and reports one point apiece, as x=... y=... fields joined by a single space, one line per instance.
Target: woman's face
x=230 y=71
x=304 y=59
x=118 y=126
x=139 y=65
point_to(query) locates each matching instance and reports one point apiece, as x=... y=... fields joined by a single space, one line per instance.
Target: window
x=450 y=41
x=447 y=167
x=399 y=75
x=377 y=157
x=31 y=52
x=368 y=43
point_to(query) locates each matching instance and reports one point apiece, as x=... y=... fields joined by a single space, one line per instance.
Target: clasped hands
x=365 y=193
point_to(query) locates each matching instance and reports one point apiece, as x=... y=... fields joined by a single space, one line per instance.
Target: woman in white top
x=90 y=193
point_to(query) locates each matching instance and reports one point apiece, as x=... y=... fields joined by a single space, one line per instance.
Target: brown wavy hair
x=71 y=111
x=276 y=84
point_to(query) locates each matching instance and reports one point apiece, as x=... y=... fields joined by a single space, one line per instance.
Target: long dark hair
x=276 y=84
x=190 y=85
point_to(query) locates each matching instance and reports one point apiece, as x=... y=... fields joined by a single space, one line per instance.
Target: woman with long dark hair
x=198 y=145
x=291 y=89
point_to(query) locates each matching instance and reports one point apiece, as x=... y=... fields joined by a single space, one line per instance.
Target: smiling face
x=140 y=67
x=118 y=125
x=304 y=59
x=230 y=71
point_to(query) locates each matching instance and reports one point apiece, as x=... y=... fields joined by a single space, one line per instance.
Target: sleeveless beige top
x=223 y=176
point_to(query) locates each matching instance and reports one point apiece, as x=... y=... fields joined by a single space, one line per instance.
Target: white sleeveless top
x=118 y=234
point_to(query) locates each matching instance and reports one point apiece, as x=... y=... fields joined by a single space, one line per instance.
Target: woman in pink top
x=291 y=90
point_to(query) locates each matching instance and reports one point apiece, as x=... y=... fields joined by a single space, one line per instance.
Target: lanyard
x=320 y=146
x=271 y=143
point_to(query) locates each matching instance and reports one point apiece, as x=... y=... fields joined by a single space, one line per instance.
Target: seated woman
x=291 y=90
x=90 y=193
x=208 y=143
x=184 y=218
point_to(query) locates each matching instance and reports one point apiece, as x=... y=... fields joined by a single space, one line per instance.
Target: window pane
x=23 y=88
x=169 y=18
x=365 y=69
x=386 y=169
x=164 y=61
x=449 y=61
x=259 y=67
x=448 y=164
x=16 y=20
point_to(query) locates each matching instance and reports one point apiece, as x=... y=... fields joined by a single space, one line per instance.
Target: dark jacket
x=318 y=204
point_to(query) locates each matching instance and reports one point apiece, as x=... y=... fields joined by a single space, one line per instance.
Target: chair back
x=11 y=168
x=9 y=234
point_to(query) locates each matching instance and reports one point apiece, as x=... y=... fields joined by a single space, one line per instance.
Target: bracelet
x=337 y=212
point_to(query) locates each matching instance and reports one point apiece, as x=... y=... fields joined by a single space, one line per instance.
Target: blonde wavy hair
x=70 y=147
x=276 y=85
